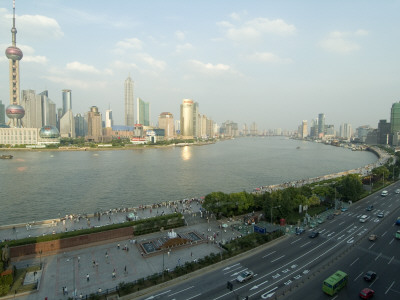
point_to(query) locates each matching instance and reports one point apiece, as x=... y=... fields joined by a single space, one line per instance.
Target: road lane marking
x=291 y=243
x=155 y=296
x=193 y=296
x=237 y=273
x=305 y=244
x=233 y=270
x=358 y=276
x=389 y=288
x=391 y=241
x=269 y=294
x=354 y=261
x=268 y=254
x=340 y=237
x=390 y=260
x=371 y=246
x=378 y=256
x=384 y=233
x=257 y=286
x=277 y=258
x=227 y=268
x=190 y=287
x=341 y=223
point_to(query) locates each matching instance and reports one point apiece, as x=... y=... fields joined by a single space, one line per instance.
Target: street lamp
x=163 y=268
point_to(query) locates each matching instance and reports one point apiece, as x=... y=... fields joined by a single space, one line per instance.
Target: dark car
x=314 y=234
x=300 y=230
x=369 y=276
x=367 y=293
x=370 y=207
x=330 y=217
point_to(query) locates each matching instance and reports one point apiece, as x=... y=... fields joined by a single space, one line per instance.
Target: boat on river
x=6 y=156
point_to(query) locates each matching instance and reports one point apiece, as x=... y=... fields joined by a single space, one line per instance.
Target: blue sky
x=275 y=63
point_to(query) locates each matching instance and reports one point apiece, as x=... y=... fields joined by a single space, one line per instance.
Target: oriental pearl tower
x=15 y=112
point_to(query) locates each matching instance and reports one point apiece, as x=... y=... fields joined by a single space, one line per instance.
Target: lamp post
x=163 y=268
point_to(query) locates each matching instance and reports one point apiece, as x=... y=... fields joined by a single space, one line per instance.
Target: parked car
x=380 y=215
x=300 y=230
x=373 y=237
x=367 y=293
x=398 y=221
x=397 y=191
x=344 y=209
x=314 y=234
x=337 y=212
x=369 y=276
x=244 y=276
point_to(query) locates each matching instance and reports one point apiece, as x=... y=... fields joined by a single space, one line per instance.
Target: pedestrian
x=63 y=288
x=94 y=263
x=118 y=246
x=87 y=277
x=113 y=274
x=125 y=270
x=80 y=296
x=66 y=291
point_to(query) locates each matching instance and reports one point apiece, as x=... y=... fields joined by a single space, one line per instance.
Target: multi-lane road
x=297 y=266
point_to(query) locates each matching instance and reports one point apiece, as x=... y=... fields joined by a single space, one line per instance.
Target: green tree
x=350 y=187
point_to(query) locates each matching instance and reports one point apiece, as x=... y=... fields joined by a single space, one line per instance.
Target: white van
x=384 y=193
x=363 y=218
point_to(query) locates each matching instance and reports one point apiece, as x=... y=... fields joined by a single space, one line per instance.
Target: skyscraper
x=166 y=122
x=109 y=118
x=143 y=112
x=94 y=125
x=321 y=125
x=395 y=118
x=187 y=118
x=66 y=101
x=15 y=112
x=129 y=120
x=304 y=129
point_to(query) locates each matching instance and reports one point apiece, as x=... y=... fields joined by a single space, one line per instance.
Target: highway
x=296 y=267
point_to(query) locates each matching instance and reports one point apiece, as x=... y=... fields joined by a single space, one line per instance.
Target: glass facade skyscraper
x=395 y=118
x=143 y=112
x=66 y=100
x=129 y=116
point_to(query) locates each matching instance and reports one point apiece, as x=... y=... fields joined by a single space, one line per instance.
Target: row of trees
x=286 y=201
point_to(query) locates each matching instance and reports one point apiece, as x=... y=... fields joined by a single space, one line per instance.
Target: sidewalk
x=71 y=269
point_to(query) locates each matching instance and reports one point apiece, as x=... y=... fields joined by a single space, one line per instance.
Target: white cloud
x=152 y=62
x=36 y=59
x=211 y=69
x=77 y=66
x=235 y=16
x=180 y=35
x=183 y=47
x=268 y=57
x=256 y=28
x=127 y=44
x=39 y=26
x=342 y=42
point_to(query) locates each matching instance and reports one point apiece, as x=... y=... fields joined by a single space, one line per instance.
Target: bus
x=334 y=283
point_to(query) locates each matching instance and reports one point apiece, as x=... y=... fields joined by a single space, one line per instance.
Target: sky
x=274 y=63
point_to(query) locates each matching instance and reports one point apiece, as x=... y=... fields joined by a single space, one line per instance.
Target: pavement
x=100 y=268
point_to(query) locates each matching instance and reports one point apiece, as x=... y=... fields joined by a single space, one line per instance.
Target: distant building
x=187 y=122
x=362 y=133
x=166 y=122
x=395 y=121
x=80 y=126
x=128 y=89
x=109 y=119
x=304 y=129
x=345 y=131
x=321 y=125
x=94 y=125
x=253 y=129
x=383 y=137
x=196 y=120
x=143 y=112
x=66 y=101
x=67 y=125
x=229 y=129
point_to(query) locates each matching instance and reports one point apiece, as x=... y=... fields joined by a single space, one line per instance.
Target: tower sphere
x=15 y=111
x=14 y=53
x=49 y=132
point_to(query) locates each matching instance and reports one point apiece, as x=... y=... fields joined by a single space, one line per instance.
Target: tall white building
x=109 y=118
x=345 y=131
x=129 y=116
x=187 y=112
x=67 y=125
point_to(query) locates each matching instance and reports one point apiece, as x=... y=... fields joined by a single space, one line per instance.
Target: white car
x=384 y=193
x=397 y=191
x=363 y=218
x=244 y=276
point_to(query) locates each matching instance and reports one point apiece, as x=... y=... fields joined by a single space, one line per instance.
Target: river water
x=48 y=184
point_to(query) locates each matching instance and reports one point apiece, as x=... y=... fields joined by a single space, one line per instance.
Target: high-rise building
x=395 y=118
x=142 y=112
x=80 y=125
x=187 y=130
x=383 y=134
x=2 y=113
x=321 y=125
x=94 y=125
x=67 y=125
x=253 y=129
x=345 y=131
x=66 y=100
x=15 y=112
x=304 y=129
x=129 y=120
x=109 y=119
x=196 y=120
x=166 y=122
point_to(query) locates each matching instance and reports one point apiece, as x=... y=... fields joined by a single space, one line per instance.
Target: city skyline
x=249 y=62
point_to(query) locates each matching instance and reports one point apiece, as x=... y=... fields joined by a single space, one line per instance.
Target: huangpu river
x=38 y=185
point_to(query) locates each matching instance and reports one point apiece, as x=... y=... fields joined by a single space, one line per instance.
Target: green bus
x=335 y=283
